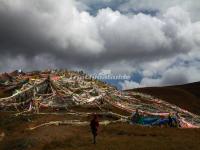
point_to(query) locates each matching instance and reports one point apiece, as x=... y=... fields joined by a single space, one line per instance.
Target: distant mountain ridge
x=186 y=96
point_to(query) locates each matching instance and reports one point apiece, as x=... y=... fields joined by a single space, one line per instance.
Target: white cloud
x=192 y=6
x=174 y=75
x=129 y=85
x=49 y=33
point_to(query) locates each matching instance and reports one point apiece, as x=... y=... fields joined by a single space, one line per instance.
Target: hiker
x=94 y=125
x=135 y=117
x=170 y=121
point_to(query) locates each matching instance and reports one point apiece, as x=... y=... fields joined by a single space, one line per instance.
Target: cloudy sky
x=156 y=42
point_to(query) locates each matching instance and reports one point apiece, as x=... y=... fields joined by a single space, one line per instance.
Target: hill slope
x=186 y=96
x=69 y=91
x=53 y=109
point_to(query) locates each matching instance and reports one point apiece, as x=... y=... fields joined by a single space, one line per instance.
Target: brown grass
x=113 y=136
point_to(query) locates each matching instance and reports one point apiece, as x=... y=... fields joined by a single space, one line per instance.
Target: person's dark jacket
x=94 y=124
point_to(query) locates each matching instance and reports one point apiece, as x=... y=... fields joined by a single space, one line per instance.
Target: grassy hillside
x=185 y=96
x=111 y=137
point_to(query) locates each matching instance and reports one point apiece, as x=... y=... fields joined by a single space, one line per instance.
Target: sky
x=155 y=42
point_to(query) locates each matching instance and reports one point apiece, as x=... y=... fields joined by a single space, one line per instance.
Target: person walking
x=170 y=121
x=94 y=125
x=135 y=117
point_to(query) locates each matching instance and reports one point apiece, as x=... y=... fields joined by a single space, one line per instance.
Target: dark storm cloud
x=59 y=34
x=22 y=34
x=24 y=31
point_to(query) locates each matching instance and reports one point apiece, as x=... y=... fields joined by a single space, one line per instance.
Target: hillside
x=52 y=109
x=186 y=96
x=71 y=91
